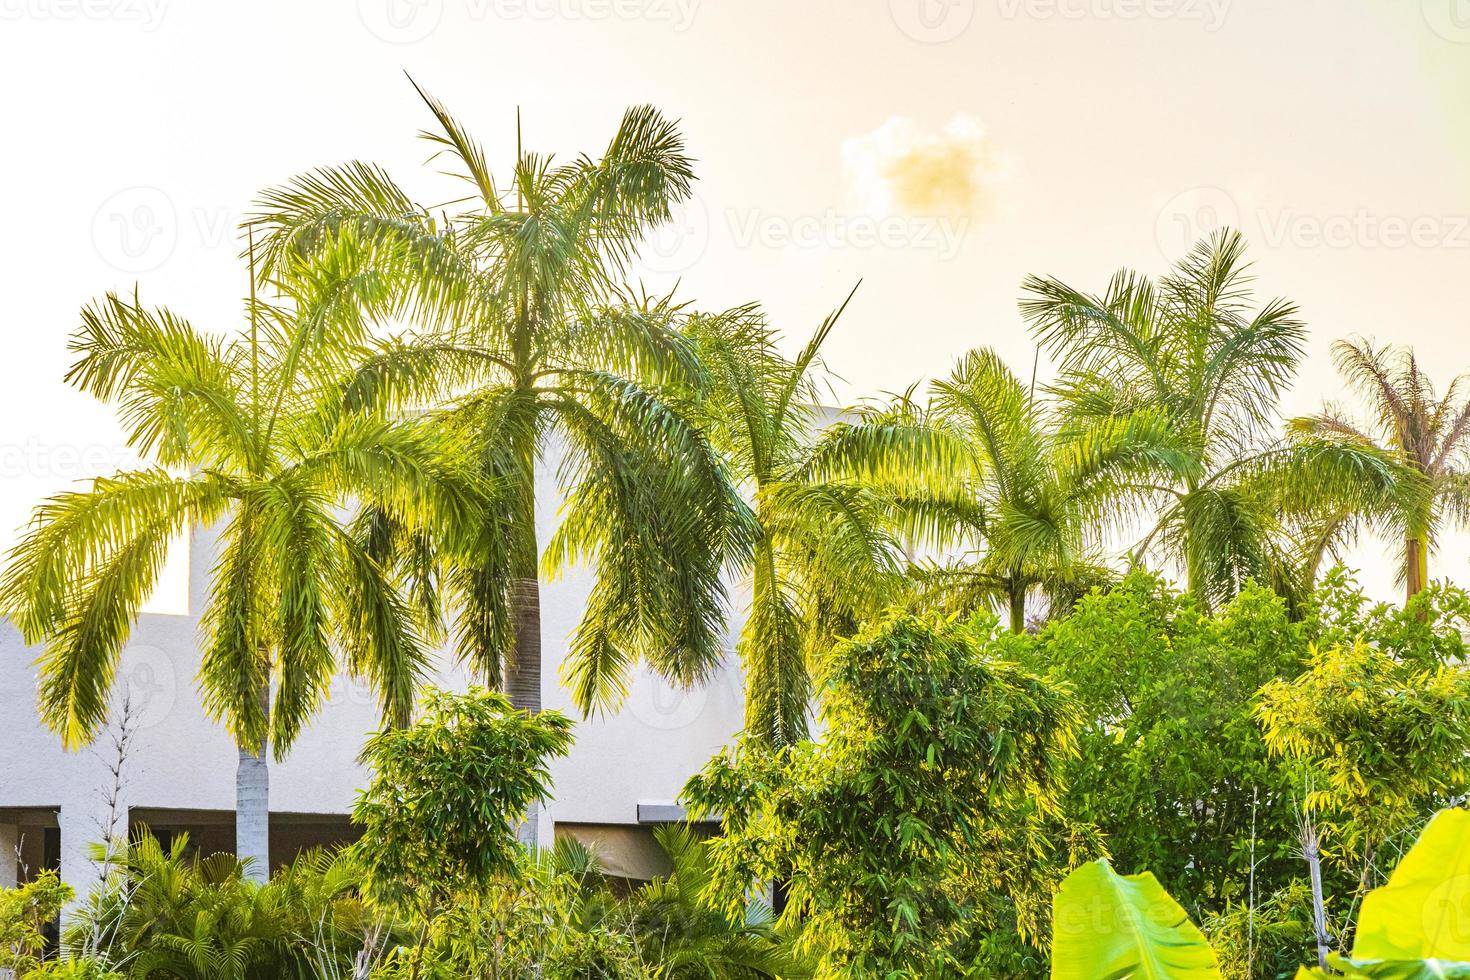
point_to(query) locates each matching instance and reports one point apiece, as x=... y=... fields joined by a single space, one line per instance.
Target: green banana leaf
x=1424 y=910
x=1388 y=970
x=1106 y=926
x=1417 y=927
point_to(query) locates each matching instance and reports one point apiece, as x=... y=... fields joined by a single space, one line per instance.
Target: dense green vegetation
x=967 y=588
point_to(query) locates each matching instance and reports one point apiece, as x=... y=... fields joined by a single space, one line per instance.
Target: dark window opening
x=213 y=831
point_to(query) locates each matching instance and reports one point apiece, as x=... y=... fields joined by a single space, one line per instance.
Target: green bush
x=922 y=821
x=23 y=913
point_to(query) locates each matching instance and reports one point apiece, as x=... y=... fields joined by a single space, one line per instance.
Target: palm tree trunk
x=1416 y=564
x=252 y=804
x=1018 y=608
x=523 y=682
x=523 y=672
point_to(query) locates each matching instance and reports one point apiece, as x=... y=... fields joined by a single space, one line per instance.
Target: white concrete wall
x=179 y=759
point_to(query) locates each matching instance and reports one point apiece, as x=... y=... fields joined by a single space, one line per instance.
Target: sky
x=936 y=151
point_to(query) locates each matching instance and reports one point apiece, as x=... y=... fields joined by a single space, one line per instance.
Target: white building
x=179 y=774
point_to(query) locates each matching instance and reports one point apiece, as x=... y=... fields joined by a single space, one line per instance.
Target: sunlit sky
x=936 y=150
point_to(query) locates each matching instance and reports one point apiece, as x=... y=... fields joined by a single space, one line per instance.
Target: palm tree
x=1040 y=494
x=1192 y=348
x=523 y=329
x=834 y=500
x=250 y=433
x=1426 y=436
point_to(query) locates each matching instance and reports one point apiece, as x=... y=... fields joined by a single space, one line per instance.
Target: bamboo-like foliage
x=835 y=497
x=522 y=331
x=1423 y=435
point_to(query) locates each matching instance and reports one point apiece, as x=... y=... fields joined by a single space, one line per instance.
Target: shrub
x=24 y=911
x=922 y=810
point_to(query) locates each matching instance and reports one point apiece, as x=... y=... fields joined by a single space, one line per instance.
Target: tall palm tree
x=835 y=501
x=1041 y=495
x=1425 y=434
x=522 y=328
x=250 y=433
x=1191 y=347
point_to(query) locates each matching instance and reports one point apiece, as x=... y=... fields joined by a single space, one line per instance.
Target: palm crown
x=1040 y=496
x=1423 y=436
x=272 y=449
x=835 y=500
x=1192 y=348
x=272 y=454
x=522 y=329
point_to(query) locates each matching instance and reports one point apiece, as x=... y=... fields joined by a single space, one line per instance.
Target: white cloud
x=955 y=172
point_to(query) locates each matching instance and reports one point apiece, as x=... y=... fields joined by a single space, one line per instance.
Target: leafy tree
x=898 y=829
x=447 y=793
x=1377 y=722
x=1425 y=434
x=269 y=448
x=1172 y=768
x=1040 y=494
x=523 y=328
x=832 y=500
x=1191 y=347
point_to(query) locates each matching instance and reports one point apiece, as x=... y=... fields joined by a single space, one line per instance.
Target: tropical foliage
x=1042 y=489
x=1113 y=926
x=251 y=439
x=835 y=502
x=523 y=330
x=1426 y=435
x=23 y=913
x=370 y=454
x=893 y=831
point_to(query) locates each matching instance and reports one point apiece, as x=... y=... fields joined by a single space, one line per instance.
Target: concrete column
x=78 y=831
x=9 y=863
